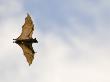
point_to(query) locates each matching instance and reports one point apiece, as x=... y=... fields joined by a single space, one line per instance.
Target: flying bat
x=25 y=39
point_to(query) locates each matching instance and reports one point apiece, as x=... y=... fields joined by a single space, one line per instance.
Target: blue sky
x=73 y=40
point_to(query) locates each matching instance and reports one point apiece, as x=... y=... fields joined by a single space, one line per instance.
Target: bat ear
x=14 y=40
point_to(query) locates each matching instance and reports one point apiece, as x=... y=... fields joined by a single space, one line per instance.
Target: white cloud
x=86 y=59
x=83 y=57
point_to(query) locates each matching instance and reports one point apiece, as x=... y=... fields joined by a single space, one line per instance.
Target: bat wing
x=28 y=51
x=27 y=29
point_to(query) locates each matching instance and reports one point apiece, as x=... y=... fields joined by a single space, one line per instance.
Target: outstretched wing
x=28 y=51
x=27 y=29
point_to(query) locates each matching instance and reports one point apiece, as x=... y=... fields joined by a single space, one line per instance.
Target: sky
x=73 y=35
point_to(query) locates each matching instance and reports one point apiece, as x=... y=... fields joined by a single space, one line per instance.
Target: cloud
x=77 y=50
x=10 y=22
x=85 y=59
x=84 y=54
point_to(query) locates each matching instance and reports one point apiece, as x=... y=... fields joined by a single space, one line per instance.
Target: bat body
x=25 y=39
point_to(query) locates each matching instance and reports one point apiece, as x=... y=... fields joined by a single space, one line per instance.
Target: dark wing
x=28 y=51
x=27 y=29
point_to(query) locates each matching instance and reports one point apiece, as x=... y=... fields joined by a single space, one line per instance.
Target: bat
x=25 y=39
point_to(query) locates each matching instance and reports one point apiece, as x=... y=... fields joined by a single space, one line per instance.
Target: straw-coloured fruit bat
x=25 y=40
